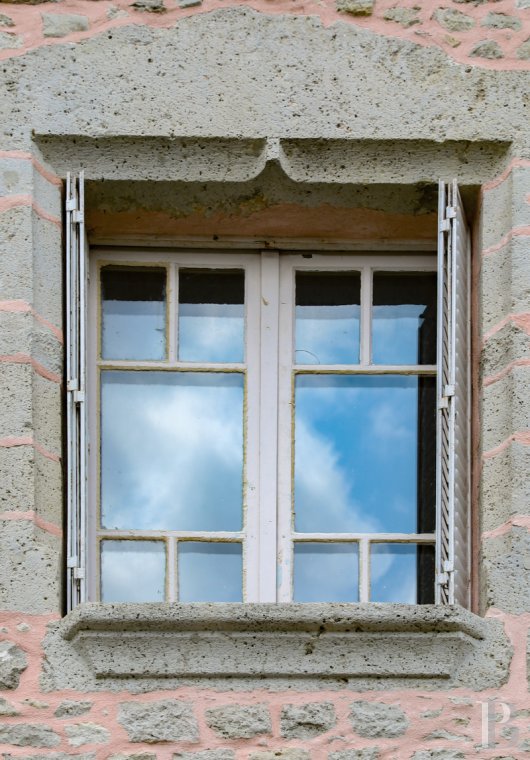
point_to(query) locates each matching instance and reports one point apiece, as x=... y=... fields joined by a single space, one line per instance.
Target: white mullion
x=172 y=569
x=251 y=539
x=172 y=313
x=270 y=282
x=285 y=431
x=366 y=316
x=364 y=570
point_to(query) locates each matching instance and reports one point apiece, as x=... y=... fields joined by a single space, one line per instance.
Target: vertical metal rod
x=366 y=317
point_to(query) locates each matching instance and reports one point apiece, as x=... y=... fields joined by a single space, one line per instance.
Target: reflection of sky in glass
x=211 y=315
x=210 y=572
x=394 y=572
x=133 y=314
x=327 y=318
x=172 y=450
x=327 y=334
x=133 y=571
x=211 y=332
x=356 y=453
x=404 y=318
x=326 y=572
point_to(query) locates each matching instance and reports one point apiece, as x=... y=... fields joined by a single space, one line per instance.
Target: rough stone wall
x=427 y=74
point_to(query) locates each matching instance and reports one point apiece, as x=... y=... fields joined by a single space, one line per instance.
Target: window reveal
x=264 y=424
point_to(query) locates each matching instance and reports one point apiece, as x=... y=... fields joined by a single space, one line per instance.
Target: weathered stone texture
x=523 y=51
x=6 y=20
x=86 y=733
x=356 y=7
x=502 y=21
x=239 y=721
x=149 y=6
x=53 y=756
x=206 y=754
x=28 y=735
x=281 y=754
x=307 y=721
x=487 y=49
x=453 y=20
x=404 y=16
x=9 y=41
x=62 y=24
x=371 y=753
x=13 y=662
x=167 y=721
x=71 y=708
x=439 y=754
x=375 y=719
x=505 y=561
x=7 y=709
x=133 y=756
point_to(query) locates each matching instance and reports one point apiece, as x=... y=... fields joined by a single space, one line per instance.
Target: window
x=269 y=426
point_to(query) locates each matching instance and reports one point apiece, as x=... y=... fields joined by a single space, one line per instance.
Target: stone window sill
x=150 y=646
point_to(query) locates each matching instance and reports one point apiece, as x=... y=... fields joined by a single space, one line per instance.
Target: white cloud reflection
x=172 y=450
x=211 y=332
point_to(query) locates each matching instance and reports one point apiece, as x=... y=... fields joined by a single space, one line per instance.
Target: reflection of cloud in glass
x=395 y=334
x=393 y=573
x=133 y=330
x=326 y=572
x=327 y=334
x=356 y=453
x=133 y=571
x=172 y=450
x=210 y=572
x=211 y=332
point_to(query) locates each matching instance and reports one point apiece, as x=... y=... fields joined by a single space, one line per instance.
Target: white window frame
x=268 y=432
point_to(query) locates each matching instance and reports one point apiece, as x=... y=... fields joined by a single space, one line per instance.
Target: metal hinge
x=449 y=392
x=450 y=212
x=443 y=578
x=445 y=225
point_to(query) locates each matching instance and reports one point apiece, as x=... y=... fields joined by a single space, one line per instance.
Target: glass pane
x=171 y=450
x=133 y=571
x=327 y=317
x=402 y=573
x=133 y=324
x=211 y=315
x=210 y=572
x=326 y=572
x=404 y=318
x=364 y=453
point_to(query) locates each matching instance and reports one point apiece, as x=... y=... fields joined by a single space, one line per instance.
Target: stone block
x=53 y=756
x=149 y=6
x=356 y=7
x=281 y=754
x=509 y=344
x=501 y=21
x=307 y=721
x=453 y=20
x=63 y=24
x=133 y=756
x=86 y=733
x=239 y=721
x=29 y=571
x=376 y=719
x=13 y=662
x=505 y=562
x=404 y=16
x=206 y=754
x=505 y=287
x=487 y=49
x=71 y=708
x=369 y=753
x=28 y=735
x=523 y=51
x=438 y=754
x=9 y=41
x=6 y=20
x=169 y=720
x=7 y=709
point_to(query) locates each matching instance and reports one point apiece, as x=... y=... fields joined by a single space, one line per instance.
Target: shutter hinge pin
x=444 y=225
x=79 y=573
x=450 y=212
x=77 y=217
x=71 y=204
x=78 y=396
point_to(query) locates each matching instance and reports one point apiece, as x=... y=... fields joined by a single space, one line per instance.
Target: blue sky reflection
x=356 y=453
